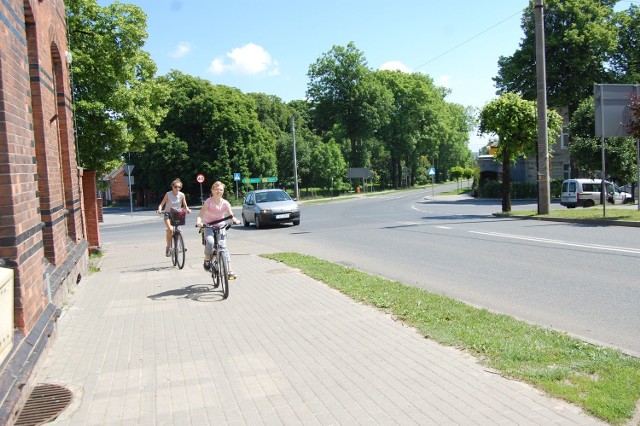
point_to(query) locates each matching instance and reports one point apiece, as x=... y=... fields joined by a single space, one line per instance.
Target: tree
x=579 y=39
x=221 y=128
x=345 y=94
x=456 y=173
x=586 y=149
x=116 y=96
x=626 y=59
x=514 y=121
x=161 y=161
x=327 y=165
x=416 y=106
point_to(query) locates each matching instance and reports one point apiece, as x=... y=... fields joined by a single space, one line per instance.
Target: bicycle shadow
x=195 y=292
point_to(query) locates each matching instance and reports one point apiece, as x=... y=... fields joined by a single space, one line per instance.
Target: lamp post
x=295 y=160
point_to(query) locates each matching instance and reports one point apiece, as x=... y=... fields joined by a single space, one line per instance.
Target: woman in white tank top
x=172 y=199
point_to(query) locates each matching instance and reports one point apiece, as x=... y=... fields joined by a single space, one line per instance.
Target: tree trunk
x=506 y=182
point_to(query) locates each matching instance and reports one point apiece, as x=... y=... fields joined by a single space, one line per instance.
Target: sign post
x=200 y=180
x=128 y=168
x=432 y=174
x=236 y=178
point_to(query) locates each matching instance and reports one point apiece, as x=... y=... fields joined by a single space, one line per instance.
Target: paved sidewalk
x=143 y=343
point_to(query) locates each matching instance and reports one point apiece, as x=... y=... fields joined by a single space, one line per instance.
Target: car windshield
x=271 y=196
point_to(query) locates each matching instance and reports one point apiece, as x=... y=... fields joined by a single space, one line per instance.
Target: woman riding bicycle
x=173 y=199
x=215 y=208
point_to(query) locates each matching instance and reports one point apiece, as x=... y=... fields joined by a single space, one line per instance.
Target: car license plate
x=282 y=216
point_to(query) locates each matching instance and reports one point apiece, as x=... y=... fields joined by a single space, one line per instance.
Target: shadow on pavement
x=195 y=292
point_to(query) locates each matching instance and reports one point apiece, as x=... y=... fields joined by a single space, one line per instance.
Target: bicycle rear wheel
x=224 y=274
x=179 y=251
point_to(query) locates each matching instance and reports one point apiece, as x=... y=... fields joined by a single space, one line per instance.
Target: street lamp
x=295 y=160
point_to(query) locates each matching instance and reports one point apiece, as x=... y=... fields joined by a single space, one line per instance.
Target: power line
x=468 y=40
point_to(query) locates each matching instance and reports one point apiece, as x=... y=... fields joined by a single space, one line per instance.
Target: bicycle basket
x=177 y=216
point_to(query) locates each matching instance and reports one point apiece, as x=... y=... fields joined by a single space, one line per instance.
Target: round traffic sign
x=200 y=178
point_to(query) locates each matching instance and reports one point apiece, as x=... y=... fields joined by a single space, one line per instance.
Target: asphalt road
x=582 y=279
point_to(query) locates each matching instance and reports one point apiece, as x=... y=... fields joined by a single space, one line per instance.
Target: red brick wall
x=119 y=188
x=91 y=207
x=41 y=201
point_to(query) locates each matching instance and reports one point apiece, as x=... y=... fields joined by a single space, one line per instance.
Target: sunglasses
x=177 y=186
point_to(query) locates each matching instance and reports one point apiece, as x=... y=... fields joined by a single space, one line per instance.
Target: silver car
x=269 y=206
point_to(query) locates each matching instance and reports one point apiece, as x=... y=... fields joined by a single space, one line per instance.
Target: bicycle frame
x=219 y=258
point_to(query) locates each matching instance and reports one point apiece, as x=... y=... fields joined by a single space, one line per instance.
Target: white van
x=586 y=193
x=580 y=192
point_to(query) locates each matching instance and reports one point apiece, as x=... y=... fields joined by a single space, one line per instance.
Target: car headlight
x=265 y=211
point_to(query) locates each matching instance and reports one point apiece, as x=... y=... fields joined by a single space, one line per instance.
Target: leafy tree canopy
x=116 y=96
x=579 y=38
x=514 y=120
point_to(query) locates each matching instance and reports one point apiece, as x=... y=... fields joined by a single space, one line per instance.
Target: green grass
x=604 y=381
x=611 y=213
x=94 y=257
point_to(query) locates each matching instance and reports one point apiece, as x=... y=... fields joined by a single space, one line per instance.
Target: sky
x=267 y=46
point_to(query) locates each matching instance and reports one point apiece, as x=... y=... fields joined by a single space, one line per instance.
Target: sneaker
x=168 y=252
x=232 y=276
x=207 y=265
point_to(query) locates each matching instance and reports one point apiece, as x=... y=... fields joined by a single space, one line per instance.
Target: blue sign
x=432 y=171
x=236 y=176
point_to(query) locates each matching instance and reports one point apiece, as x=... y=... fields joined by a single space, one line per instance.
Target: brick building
x=47 y=224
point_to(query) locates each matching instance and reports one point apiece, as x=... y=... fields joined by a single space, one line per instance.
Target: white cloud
x=249 y=59
x=183 y=48
x=444 y=80
x=395 y=66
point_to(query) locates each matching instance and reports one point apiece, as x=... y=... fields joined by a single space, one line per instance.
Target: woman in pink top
x=216 y=208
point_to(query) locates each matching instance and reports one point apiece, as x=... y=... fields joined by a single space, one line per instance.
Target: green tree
x=416 y=106
x=347 y=98
x=579 y=38
x=162 y=161
x=456 y=173
x=626 y=59
x=327 y=165
x=221 y=128
x=116 y=96
x=452 y=131
x=586 y=149
x=514 y=121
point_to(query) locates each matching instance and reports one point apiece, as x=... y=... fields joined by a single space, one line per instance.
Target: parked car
x=269 y=206
x=586 y=193
x=616 y=195
x=629 y=188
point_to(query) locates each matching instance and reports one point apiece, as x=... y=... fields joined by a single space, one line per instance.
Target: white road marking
x=559 y=242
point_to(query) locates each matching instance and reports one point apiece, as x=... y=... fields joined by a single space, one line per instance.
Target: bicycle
x=218 y=258
x=177 y=248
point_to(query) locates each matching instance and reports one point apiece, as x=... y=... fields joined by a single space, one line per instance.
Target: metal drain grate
x=44 y=404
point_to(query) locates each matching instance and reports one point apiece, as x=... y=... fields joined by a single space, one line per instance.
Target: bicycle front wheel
x=179 y=252
x=224 y=274
x=174 y=252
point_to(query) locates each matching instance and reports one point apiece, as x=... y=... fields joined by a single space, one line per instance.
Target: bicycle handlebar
x=210 y=224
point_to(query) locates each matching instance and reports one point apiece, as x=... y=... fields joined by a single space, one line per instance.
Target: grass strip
x=604 y=381
x=591 y=213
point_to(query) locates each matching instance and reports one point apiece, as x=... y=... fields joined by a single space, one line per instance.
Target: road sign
x=236 y=176
x=251 y=180
x=128 y=168
x=432 y=171
x=200 y=178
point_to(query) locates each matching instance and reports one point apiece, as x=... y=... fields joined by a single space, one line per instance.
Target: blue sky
x=267 y=45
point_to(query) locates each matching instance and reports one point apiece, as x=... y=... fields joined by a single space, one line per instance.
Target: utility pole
x=295 y=160
x=544 y=200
